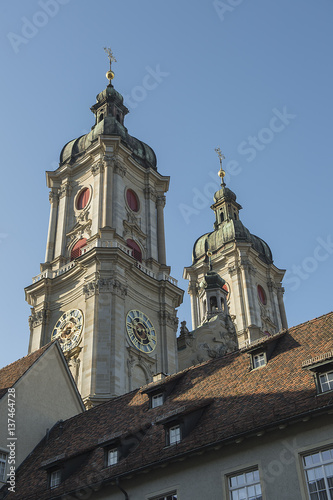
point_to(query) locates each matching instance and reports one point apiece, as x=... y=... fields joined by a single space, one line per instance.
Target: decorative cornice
x=102 y=285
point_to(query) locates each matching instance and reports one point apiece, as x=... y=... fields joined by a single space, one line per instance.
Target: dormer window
x=326 y=381
x=113 y=456
x=322 y=368
x=157 y=400
x=174 y=435
x=55 y=478
x=259 y=360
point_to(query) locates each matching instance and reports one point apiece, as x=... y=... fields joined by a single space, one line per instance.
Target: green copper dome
x=110 y=112
x=229 y=231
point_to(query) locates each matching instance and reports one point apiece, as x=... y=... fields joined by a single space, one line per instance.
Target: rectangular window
x=174 y=435
x=3 y=463
x=157 y=400
x=319 y=474
x=168 y=496
x=259 y=360
x=113 y=456
x=245 y=486
x=326 y=382
x=55 y=478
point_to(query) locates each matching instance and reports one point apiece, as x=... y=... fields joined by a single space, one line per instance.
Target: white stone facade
x=106 y=281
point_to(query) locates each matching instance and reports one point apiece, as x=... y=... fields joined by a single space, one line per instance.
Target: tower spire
x=221 y=171
x=110 y=73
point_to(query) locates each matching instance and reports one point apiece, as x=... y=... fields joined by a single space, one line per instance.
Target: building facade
x=255 y=424
x=104 y=289
x=245 y=262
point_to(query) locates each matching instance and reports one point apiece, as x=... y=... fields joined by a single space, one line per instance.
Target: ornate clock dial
x=141 y=331
x=68 y=329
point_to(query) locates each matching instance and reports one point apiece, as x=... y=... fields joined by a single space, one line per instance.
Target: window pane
x=245 y=486
x=319 y=477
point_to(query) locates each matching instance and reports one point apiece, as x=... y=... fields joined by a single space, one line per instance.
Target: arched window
x=132 y=200
x=77 y=248
x=213 y=303
x=83 y=199
x=136 y=249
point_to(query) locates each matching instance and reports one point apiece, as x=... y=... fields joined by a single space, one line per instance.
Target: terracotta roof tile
x=234 y=402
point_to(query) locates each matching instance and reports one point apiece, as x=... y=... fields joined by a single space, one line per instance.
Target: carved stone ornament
x=234 y=269
x=97 y=168
x=82 y=229
x=53 y=197
x=104 y=285
x=109 y=160
x=133 y=231
x=119 y=168
x=150 y=193
x=160 y=201
x=38 y=318
x=222 y=348
x=65 y=189
x=168 y=319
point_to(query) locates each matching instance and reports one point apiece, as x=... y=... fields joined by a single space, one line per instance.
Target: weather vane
x=110 y=73
x=221 y=171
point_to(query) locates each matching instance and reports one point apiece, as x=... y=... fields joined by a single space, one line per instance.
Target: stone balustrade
x=104 y=244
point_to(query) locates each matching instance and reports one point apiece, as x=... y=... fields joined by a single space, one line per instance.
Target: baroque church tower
x=105 y=291
x=245 y=263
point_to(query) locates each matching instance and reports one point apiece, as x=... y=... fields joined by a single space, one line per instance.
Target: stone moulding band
x=104 y=244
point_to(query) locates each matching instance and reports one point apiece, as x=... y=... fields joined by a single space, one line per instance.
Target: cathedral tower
x=245 y=262
x=105 y=291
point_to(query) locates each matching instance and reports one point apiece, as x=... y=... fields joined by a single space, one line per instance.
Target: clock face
x=141 y=331
x=68 y=329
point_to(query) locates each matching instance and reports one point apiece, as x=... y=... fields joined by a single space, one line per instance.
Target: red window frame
x=132 y=200
x=77 y=248
x=83 y=199
x=137 y=254
x=262 y=295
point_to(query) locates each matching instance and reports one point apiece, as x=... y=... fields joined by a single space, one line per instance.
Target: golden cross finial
x=110 y=73
x=221 y=171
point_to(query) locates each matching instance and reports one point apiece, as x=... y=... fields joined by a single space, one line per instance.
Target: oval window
x=262 y=295
x=77 y=248
x=136 y=249
x=132 y=200
x=83 y=199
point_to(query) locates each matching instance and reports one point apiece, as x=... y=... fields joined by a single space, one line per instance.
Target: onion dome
x=227 y=227
x=109 y=112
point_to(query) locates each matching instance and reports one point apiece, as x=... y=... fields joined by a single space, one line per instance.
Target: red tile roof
x=10 y=374
x=232 y=402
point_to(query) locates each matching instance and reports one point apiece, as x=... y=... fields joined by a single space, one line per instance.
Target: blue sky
x=254 y=78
